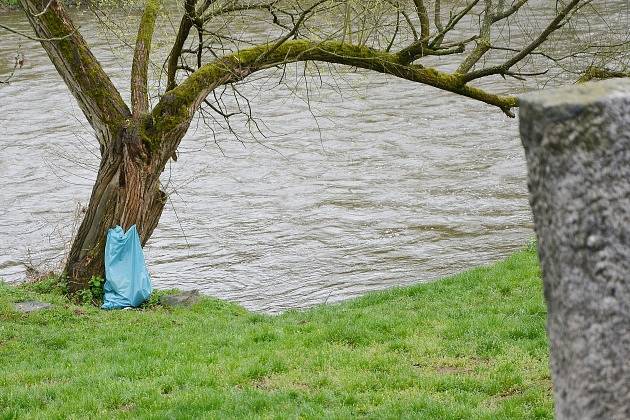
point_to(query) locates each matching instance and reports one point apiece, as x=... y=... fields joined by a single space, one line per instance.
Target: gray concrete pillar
x=577 y=144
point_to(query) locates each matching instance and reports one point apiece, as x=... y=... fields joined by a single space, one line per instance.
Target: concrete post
x=577 y=144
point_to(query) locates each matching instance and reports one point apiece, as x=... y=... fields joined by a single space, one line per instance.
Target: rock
x=180 y=299
x=577 y=145
x=32 y=306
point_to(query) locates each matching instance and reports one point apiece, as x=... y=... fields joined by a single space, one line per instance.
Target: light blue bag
x=127 y=281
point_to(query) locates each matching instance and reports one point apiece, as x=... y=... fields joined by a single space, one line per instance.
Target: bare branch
x=423 y=47
x=44 y=10
x=453 y=21
x=18 y=62
x=236 y=7
x=292 y=32
x=34 y=38
x=186 y=24
x=391 y=43
x=503 y=14
x=555 y=24
x=483 y=41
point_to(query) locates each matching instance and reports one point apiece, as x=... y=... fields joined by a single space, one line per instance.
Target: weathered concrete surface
x=180 y=299
x=577 y=144
x=31 y=306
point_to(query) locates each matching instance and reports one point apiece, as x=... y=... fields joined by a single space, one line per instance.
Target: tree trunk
x=126 y=192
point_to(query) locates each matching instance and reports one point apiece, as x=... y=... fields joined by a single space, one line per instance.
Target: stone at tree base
x=180 y=299
x=31 y=306
x=577 y=145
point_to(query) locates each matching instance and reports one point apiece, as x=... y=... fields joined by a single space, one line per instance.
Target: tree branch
x=176 y=108
x=18 y=62
x=503 y=14
x=600 y=73
x=33 y=38
x=140 y=65
x=423 y=15
x=96 y=95
x=452 y=22
x=237 y=8
x=292 y=33
x=555 y=24
x=483 y=42
x=437 y=16
x=186 y=24
x=423 y=47
x=402 y=11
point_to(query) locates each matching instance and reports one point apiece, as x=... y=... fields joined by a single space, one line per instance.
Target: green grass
x=469 y=346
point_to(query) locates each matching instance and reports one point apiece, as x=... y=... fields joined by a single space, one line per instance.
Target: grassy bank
x=469 y=346
x=8 y=4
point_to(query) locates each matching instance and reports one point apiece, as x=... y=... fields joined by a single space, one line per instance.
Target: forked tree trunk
x=126 y=192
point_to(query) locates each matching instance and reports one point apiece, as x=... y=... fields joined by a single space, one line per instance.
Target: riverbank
x=8 y=4
x=469 y=346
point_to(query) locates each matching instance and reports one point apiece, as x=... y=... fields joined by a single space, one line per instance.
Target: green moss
x=180 y=103
x=147 y=23
x=167 y=117
x=83 y=66
x=469 y=346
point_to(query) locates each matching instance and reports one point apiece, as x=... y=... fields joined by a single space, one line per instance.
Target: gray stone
x=180 y=299
x=32 y=306
x=577 y=145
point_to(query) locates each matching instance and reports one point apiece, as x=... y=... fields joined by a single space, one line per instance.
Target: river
x=380 y=183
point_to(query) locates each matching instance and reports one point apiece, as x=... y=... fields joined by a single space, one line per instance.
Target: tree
x=385 y=36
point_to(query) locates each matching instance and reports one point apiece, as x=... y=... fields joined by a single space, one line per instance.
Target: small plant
x=96 y=284
x=93 y=294
x=84 y=296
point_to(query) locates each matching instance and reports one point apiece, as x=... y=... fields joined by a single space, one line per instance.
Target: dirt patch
x=445 y=370
x=264 y=383
x=268 y=383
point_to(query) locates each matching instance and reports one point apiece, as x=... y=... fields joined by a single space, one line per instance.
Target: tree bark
x=126 y=192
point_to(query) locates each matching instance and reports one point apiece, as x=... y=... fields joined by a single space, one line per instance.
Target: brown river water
x=381 y=183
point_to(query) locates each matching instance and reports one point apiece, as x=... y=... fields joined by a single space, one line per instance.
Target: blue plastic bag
x=127 y=281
